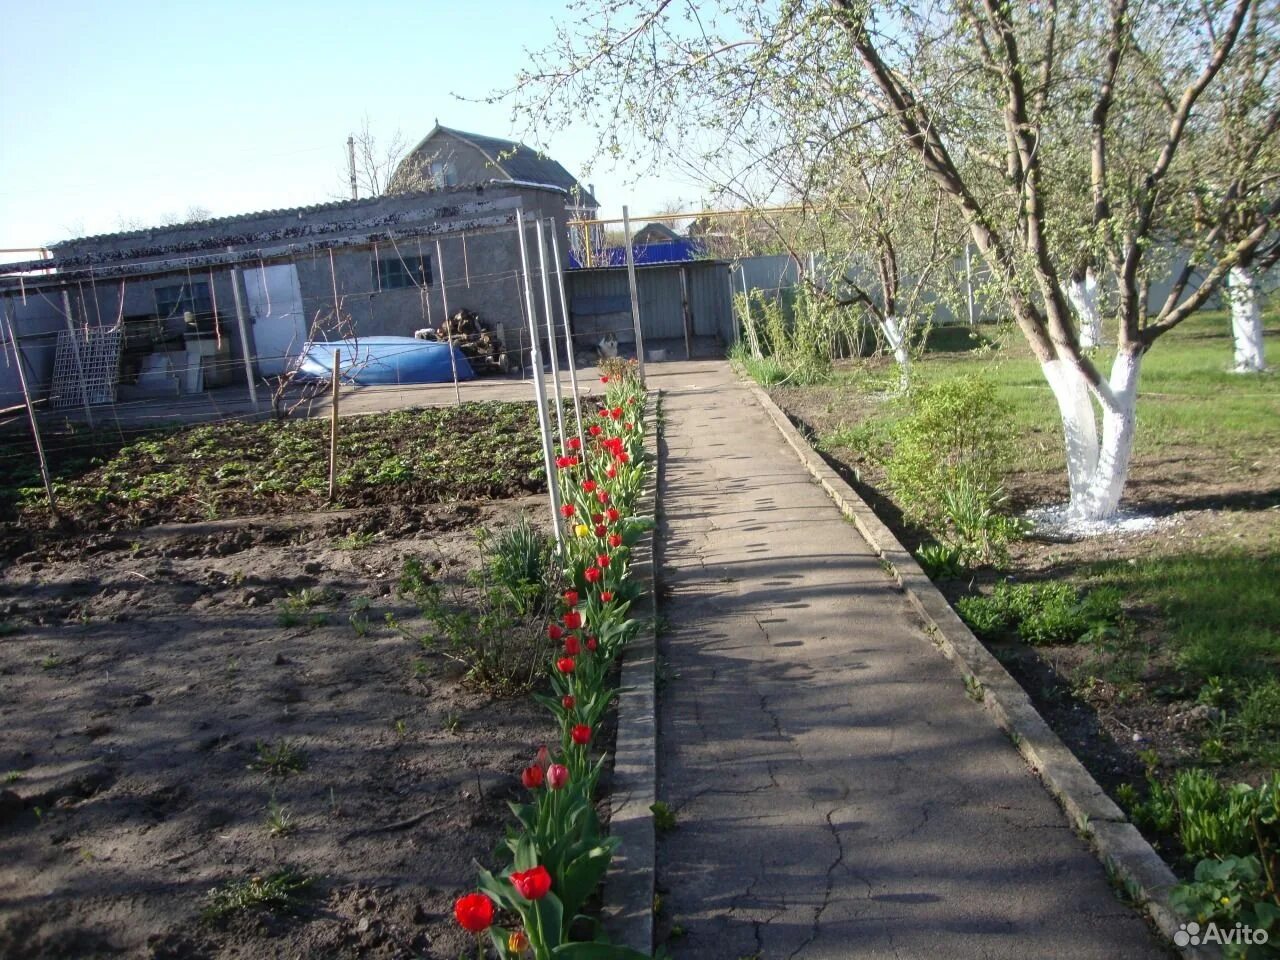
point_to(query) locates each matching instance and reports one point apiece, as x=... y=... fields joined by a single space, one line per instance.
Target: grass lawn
x=1200 y=596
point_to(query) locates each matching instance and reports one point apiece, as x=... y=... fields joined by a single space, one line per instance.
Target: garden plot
x=205 y=720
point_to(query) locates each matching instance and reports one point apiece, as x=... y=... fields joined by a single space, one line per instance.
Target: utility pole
x=351 y=166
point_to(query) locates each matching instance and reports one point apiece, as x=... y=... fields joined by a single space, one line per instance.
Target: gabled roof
x=514 y=160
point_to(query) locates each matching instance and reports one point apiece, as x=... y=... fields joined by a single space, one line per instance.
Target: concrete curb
x=628 y=886
x=1125 y=853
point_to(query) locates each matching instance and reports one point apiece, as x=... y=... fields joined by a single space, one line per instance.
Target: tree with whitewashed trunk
x=1050 y=127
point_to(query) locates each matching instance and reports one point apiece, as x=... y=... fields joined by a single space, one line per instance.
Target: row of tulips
x=556 y=852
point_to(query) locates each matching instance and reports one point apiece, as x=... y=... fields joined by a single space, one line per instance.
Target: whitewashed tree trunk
x=1246 y=320
x=1083 y=295
x=893 y=334
x=1097 y=467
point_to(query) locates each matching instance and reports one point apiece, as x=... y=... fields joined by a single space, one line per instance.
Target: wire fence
x=67 y=427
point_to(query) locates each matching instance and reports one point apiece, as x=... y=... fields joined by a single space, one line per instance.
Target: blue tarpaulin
x=382 y=360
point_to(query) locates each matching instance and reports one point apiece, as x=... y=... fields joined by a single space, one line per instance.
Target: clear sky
x=116 y=112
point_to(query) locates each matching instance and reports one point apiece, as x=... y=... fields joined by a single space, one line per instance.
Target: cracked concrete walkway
x=836 y=792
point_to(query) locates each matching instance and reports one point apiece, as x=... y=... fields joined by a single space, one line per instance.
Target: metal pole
x=444 y=302
x=242 y=319
x=684 y=309
x=333 y=425
x=26 y=397
x=568 y=334
x=539 y=388
x=75 y=353
x=635 y=295
x=351 y=164
x=551 y=332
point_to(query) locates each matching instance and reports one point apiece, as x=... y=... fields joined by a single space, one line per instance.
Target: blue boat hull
x=370 y=361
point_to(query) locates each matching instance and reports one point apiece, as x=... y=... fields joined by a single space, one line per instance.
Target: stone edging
x=1124 y=852
x=628 y=886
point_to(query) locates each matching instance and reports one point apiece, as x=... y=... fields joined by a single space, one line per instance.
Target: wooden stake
x=333 y=428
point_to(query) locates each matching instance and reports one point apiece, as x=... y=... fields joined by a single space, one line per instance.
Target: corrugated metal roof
x=233 y=219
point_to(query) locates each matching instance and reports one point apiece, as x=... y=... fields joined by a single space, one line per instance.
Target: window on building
x=394 y=272
x=176 y=299
x=443 y=174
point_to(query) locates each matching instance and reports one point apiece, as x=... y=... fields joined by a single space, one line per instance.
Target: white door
x=279 y=321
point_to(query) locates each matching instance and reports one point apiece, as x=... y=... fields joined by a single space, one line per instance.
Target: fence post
x=540 y=388
x=635 y=295
x=448 y=325
x=551 y=334
x=26 y=397
x=568 y=334
x=242 y=321
x=333 y=426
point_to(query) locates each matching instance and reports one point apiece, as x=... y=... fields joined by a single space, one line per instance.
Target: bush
x=518 y=560
x=957 y=430
x=1041 y=613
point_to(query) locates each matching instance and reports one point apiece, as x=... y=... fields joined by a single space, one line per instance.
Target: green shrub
x=956 y=430
x=1041 y=613
x=518 y=560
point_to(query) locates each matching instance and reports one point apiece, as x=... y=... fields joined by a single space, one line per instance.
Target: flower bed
x=555 y=853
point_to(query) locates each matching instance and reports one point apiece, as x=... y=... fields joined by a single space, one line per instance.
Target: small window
x=443 y=174
x=395 y=272
x=177 y=299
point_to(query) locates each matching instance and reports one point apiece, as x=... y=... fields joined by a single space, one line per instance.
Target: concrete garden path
x=837 y=794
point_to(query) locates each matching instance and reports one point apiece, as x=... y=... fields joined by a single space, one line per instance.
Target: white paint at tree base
x=1083 y=296
x=897 y=341
x=1059 y=522
x=1097 y=466
x=1246 y=320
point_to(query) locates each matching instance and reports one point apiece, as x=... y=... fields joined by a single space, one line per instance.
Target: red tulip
x=601 y=529
x=562 y=462
x=591 y=575
x=567 y=701
x=616 y=413
x=606 y=595
x=592 y=643
x=574 y=443
x=612 y=514
x=628 y=426
x=623 y=457
x=565 y=664
x=531 y=777
x=571 y=598
x=603 y=413
x=474 y=912
x=543 y=757
x=588 y=485
x=557 y=776
x=554 y=632
x=602 y=560
x=532 y=884
x=572 y=620
x=571 y=645
x=566 y=510
x=581 y=734
x=611 y=472
x=604 y=379
x=597 y=518
x=602 y=496
x=615 y=539
x=595 y=429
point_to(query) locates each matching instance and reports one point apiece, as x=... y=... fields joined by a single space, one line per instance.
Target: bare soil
x=1206 y=497
x=141 y=672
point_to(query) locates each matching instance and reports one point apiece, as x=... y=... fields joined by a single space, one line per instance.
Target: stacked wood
x=482 y=346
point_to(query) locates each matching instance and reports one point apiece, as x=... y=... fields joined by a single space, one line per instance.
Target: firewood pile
x=483 y=347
